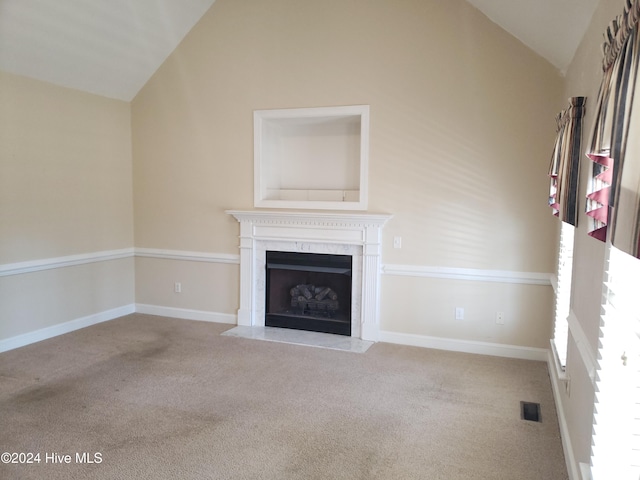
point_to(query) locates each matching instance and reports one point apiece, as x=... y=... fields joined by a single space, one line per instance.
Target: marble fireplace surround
x=355 y=234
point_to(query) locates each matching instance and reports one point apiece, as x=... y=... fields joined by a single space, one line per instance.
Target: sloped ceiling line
x=113 y=47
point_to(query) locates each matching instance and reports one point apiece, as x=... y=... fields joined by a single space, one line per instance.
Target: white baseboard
x=66 y=327
x=186 y=314
x=62 y=328
x=569 y=456
x=466 y=346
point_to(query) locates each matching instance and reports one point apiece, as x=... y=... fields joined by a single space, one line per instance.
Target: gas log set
x=312 y=300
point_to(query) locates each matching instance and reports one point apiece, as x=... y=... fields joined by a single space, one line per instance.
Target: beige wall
x=65 y=189
x=66 y=185
x=428 y=306
x=583 y=79
x=462 y=122
x=48 y=298
x=205 y=287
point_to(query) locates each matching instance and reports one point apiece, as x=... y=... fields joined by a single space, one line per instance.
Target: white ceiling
x=112 y=47
x=107 y=47
x=552 y=28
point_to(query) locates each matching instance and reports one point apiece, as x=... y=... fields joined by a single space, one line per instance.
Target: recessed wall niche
x=315 y=158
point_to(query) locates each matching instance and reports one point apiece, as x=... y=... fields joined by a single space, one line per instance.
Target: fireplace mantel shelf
x=314 y=218
x=356 y=234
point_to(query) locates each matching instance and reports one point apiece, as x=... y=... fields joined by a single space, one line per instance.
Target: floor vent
x=530 y=411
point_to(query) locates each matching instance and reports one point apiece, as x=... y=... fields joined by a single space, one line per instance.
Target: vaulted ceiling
x=552 y=28
x=112 y=47
x=107 y=47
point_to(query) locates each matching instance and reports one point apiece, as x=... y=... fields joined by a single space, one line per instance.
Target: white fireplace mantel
x=355 y=234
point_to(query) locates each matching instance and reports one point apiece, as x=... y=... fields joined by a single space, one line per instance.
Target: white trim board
x=187 y=314
x=503 y=276
x=473 y=274
x=570 y=459
x=188 y=256
x=38 y=265
x=62 y=328
x=466 y=346
x=587 y=355
x=66 y=261
x=560 y=370
x=585 y=470
x=72 y=325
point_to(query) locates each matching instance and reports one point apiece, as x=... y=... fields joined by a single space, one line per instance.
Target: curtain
x=565 y=161
x=598 y=190
x=625 y=233
x=613 y=198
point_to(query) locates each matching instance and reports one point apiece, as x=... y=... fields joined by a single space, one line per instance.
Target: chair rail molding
x=473 y=274
x=67 y=261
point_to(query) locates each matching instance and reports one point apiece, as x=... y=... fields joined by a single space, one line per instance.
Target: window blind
x=616 y=430
x=563 y=293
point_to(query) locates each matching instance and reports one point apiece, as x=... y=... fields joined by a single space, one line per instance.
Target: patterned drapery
x=615 y=179
x=625 y=233
x=599 y=188
x=565 y=161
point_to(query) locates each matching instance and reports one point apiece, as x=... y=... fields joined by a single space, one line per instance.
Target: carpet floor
x=156 y=398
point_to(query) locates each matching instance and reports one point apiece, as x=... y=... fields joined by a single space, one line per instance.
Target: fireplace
x=308 y=291
x=356 y=235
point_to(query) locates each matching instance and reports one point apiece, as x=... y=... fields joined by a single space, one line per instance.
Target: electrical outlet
x=177 y=287
x=397 y=242
x=459 y=313
x=500 y=318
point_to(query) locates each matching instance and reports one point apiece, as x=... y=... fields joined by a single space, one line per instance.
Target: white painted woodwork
x=356 y=234
x=313 y=158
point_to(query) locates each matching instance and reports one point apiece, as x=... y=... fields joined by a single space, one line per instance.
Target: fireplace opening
x=309 y=291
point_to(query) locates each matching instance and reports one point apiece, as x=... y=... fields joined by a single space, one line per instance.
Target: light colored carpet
x=161 y=398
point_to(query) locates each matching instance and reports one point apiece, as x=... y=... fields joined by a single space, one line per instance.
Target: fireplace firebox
x=308 y=291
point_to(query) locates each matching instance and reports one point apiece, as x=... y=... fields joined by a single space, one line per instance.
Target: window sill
x=561 y=372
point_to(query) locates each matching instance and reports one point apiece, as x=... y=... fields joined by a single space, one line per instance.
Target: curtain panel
x=613 y=198
x=598 y=189
x=565 y=161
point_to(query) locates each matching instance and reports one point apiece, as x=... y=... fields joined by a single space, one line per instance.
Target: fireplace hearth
x=308 y=291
